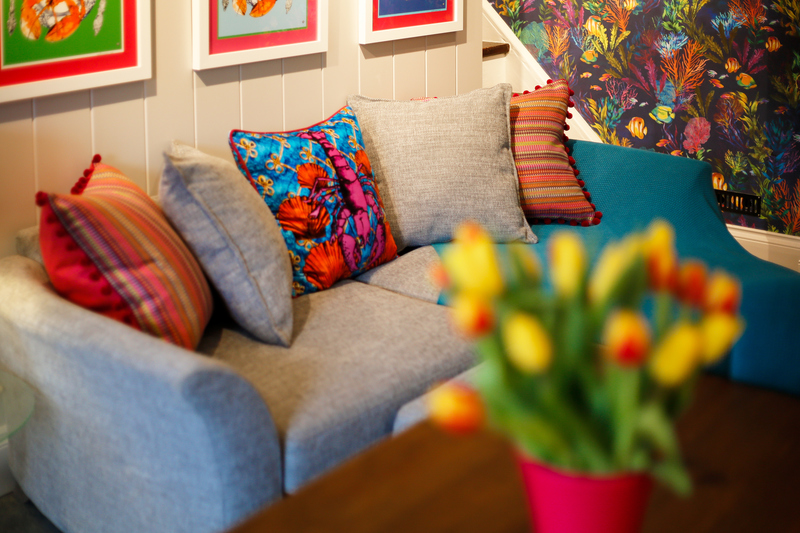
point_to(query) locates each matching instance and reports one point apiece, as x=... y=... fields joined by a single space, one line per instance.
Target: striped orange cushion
x=109 y=248
x=548 y=187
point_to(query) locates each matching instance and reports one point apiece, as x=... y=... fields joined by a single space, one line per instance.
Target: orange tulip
x=723 y=294
x=660 y=256
x=677 y=355
x=456 y=407
x=438 y=276
x=472 y=315
x=626 y=338
x=692 y=283
x=527 y=344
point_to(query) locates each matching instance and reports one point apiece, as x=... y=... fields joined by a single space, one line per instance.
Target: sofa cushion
x=409 y=275
x=108 y=247
x=442 y=160
x=235 y=238
x=337 y=389
x=318 y=183
x=548 y=186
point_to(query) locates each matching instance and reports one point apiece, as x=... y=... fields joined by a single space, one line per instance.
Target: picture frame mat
x=202 y=59
x=142 y=69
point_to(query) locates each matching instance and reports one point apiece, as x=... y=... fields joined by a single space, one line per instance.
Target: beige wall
x=45 y=143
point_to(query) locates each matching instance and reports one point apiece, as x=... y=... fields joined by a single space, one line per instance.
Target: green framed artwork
x=54 y=46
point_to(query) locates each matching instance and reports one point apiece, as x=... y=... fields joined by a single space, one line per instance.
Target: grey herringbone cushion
x=234 y=237
x=438 y=162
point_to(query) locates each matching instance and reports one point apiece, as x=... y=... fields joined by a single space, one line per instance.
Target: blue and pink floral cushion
x=318 y=183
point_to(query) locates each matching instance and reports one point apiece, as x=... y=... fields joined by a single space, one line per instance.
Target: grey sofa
x=131 y=433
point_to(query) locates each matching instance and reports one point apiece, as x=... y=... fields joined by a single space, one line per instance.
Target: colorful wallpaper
x=716 y=80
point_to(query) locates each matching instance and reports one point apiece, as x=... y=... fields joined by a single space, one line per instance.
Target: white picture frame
x=312 y=39
x=54 y=76
x=412 y=26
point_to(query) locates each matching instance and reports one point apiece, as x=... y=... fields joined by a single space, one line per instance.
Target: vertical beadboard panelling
x=217 y=112
x=132 y=124
x=17 y=185
x=469 y=56
x=262 y=96
x=441 y=64
x=377 y=70
x=62 y=139
x=409 y=68
x=169 y=98
x=302 y=89
x=340 y=64
x=118 y=124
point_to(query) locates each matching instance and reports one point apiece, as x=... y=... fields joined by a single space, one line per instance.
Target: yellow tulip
x=660 y=256
x=677 y=355
x=567 y=263
x=626 y=338
x=723 y=293
x=472 y=315
x=527 y=260
x=614 y=261
x=471 y=262
x=456 y=407
x=720 y=331
x=527 y=344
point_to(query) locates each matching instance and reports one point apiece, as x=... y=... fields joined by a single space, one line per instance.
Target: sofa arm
x=632 y=187
x=129 y=433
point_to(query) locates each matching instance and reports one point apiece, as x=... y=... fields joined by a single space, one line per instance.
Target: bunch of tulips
x=589 y=371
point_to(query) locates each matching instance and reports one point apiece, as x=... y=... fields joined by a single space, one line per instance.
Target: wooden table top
x=741 y=444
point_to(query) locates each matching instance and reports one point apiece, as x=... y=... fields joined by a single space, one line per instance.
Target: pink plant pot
x=562 y=502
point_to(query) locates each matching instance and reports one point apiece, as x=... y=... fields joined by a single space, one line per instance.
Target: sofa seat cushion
x=358 y=354
x=409 y=274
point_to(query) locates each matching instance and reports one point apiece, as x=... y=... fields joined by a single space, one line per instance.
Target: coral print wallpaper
x=716 y=80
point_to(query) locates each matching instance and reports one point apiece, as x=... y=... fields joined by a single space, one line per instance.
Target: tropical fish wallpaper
x=714 y=80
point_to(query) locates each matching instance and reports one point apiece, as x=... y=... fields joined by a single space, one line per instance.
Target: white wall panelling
x=45 y=143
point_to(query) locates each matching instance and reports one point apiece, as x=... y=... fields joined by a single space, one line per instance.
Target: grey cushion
x=416 y=410
x=358 y=353
x=409 y=275
x=438 y=162
x=235 y=238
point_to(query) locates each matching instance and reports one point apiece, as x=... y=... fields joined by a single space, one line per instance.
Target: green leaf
x=656 y=428
x=674 y=475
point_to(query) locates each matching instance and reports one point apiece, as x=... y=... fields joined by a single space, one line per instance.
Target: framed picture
x=388 y=20
x=56 y=46
x=232 y=32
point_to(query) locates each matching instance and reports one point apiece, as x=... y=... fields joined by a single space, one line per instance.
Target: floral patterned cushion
x=318 y=183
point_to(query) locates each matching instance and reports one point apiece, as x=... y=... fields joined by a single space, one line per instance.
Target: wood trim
x=492 y=49
x=781 y=249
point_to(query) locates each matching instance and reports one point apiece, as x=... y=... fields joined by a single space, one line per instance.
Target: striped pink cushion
x=548 y=187
x=109 y=248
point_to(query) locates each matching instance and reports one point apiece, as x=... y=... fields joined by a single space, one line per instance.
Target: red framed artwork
x=233 y=32
x=388 y=20
x=55 y=46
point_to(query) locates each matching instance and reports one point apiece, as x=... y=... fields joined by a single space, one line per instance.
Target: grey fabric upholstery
x=416 y=410
x=27 y=244
x=409 y=275
x=358 y=353
x=437 y=162
x=129 y=433
x=234 y=237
